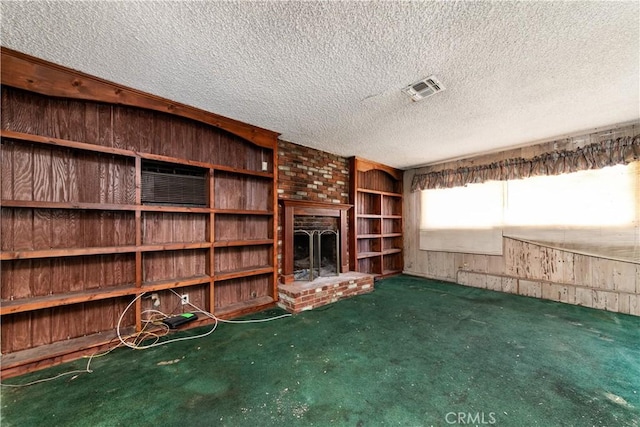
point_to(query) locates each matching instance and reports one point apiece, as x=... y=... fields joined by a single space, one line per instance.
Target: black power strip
x=175 y=321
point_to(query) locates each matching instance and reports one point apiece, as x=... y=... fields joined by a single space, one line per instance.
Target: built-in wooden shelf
x=391 y=251
x=243 y=272
x=66 y=205
x=362 y=255
x=174 y=209
x=71 y=252
x=160 y=285
x=48 y=301
x=242 y=212
x=35 y=204
x=382 y=193
x=376 y=193
x=257 y=242
x=100 y=142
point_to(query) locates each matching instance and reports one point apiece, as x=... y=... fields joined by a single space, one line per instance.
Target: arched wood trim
x=37 y=75
x=367 y=165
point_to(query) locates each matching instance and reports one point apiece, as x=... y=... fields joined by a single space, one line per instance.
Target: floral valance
x=594 y=156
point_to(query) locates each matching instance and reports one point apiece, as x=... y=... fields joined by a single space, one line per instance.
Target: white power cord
x=142 y=333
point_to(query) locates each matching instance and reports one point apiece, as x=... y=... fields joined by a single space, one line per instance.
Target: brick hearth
x=300 y=296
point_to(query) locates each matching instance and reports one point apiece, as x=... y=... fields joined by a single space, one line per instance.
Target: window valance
x=594 y=156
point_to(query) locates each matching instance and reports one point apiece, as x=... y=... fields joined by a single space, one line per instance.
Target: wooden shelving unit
x=376 y=220
x=78 y=242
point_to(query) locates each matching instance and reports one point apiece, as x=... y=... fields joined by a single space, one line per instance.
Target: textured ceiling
x=328 y=75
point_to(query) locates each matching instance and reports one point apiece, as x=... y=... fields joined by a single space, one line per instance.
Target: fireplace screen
x=316 y=254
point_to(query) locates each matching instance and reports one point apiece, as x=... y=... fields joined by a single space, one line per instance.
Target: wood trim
x=39 y=139
x=287 y=246
x=354 y=184
x=37 y=75
x=303 y=205
x=48 y=355
x=242 y=212
x=275 y=224
x=138 y=226
x=58 y=142
x=67 y=205
x=227 y=243
x=160 y=285
x=211 y=236
x=243 y=272
x=382 y=193
x=48 y=301
x=245 y=171
x=364 y=165
x=53 y=253
x=344 y=260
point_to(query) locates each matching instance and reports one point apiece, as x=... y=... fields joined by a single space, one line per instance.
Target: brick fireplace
x=300 y=295
x=313 y=187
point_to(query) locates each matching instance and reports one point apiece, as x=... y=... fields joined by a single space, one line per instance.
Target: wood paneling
x=236 y=258
x=236 y=291
x=165 y=227
x=36 y=75
x=77 y=243
x=243 y=192
x=242 y=227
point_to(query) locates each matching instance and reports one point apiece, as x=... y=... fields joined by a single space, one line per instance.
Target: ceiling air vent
x=424 y=88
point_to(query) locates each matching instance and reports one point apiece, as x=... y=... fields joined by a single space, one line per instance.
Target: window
x=601 y=197
x=586 y=208
x=463 y=219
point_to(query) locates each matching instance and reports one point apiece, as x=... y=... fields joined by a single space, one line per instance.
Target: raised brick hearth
x=300 y=296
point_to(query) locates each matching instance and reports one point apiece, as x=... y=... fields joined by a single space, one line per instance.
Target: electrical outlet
x=156 y=299
x=185 y=299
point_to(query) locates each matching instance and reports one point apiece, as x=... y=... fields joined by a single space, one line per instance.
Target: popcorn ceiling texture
x=328 y=75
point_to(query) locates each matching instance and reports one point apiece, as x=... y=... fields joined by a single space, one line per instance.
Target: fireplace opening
x=314 y=240
x=316 y=254
x=316 y=247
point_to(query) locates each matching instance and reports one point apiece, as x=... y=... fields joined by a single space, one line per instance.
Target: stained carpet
x=415 y=352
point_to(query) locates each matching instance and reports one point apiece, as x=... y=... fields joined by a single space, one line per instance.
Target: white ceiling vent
x=424 y=88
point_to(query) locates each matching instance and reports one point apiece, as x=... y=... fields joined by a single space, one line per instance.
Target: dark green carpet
x=413 y=353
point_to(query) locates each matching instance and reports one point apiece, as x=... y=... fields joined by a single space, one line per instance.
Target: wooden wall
x=77 y=243
x=527 y=268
